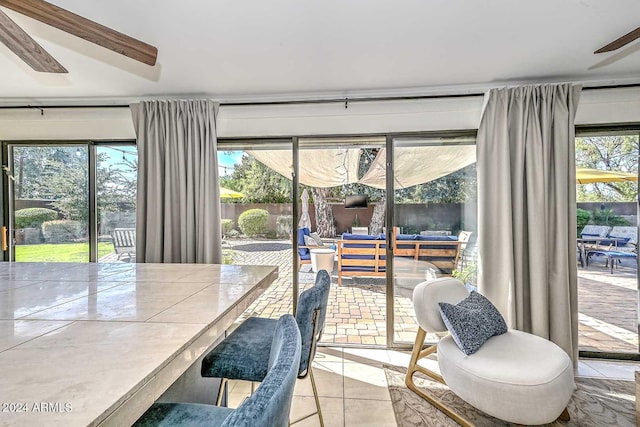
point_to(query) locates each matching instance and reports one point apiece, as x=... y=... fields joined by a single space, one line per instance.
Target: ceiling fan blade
x=27 y=48
x=84 y=28
x=618 y=43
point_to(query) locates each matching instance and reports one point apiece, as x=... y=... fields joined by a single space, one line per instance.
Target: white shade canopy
x=329 y=167
x=332 y=167
x=417 y=165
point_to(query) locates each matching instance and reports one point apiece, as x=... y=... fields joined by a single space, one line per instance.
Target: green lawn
x=61 y=252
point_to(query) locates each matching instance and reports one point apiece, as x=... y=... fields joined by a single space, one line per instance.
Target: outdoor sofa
x=365 y=255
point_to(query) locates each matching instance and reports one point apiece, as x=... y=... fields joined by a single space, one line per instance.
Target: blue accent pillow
x=472 y=321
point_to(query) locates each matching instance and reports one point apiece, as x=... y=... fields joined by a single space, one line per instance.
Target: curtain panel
x=527 y=209
x=178 y=207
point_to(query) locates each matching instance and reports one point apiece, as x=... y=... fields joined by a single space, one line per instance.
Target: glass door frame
x=92 y=199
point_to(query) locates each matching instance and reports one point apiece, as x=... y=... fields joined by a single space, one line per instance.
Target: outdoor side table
x=322 y=259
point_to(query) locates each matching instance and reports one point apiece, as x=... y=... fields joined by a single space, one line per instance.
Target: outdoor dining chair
x=244 y=354
x=268 y=406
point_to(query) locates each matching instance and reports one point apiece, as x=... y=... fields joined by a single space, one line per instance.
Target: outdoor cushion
x=426 y=238
x=596 y=230
x=361 y=268
x=623 y=231
x=619 y=242
x=304 y=231
x=316 y=239
x=311 y=241
x=349 y=236
x=305 y=256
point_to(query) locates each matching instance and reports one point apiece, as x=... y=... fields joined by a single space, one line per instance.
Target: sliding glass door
x=49 y=199
x=347 y=225
x=344 y=180
x=607 y=220
x=256 y=185
x=435 y=219
x=64 y=200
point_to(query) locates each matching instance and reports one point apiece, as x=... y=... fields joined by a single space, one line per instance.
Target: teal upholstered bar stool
x=244 y=354
x=268 y=406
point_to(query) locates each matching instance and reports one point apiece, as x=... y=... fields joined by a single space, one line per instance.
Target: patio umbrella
x=590 y=176
x=225 y=193
x=305 y=219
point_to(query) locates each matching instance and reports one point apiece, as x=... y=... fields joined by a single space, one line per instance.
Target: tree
x=324 y=214
x=60 y=174
x=617 y=153
x=258 y=183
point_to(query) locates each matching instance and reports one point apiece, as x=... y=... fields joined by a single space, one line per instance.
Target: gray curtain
x=178 y=207
x=527 y=209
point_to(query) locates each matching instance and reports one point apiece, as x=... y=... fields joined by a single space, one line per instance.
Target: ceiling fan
x=21 y=43
x=618 y=43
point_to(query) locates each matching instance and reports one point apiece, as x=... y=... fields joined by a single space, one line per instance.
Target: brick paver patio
x=357 y=310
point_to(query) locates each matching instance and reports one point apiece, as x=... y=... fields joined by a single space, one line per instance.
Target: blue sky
x=227 y=160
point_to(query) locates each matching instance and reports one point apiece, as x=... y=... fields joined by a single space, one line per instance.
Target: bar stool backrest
x=271 y=403
x=310 y=315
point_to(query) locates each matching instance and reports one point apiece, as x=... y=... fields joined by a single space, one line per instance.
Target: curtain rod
x=345 y=100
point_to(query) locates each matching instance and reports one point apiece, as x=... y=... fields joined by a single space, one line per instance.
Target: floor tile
x=329 y=381
x=365 y=382
x=585 y=370
x=615 y=370
x=332 y=411
x=367 y=413
x=369 y=356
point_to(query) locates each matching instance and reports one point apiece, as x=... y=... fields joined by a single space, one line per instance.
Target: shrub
x=583 y=219
x=271 y=234
x=607 y=217
x=61 y=231
x=227 y=256
x=34 y=217
x=284 y=225
x=227 y=226
x=253 y=222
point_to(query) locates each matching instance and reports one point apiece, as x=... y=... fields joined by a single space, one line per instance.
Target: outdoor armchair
x=304 y=250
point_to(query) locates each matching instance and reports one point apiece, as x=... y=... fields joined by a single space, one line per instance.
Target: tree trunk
x=377 y=219
x=324 y=214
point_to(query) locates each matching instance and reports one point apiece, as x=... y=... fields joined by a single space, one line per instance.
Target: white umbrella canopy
x=305 y=219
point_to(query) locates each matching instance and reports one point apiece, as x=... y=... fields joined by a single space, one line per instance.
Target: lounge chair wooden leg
x=413 y=367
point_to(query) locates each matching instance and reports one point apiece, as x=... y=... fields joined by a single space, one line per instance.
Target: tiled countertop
x=96 y=344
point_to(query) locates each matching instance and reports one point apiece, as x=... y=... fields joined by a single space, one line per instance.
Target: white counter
x=96 y=344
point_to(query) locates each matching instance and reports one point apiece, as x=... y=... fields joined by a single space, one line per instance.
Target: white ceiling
x=257 y=49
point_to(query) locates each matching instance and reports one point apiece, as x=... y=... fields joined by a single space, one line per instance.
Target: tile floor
x=353 y=387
